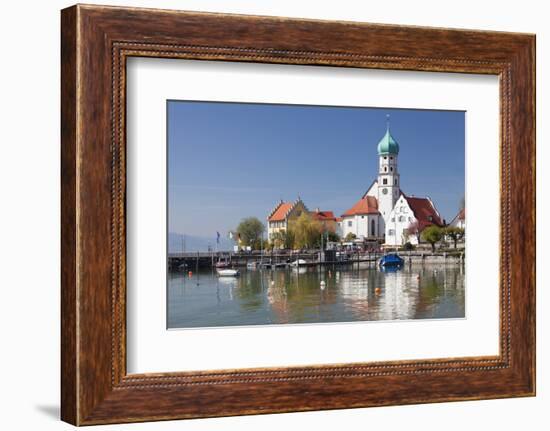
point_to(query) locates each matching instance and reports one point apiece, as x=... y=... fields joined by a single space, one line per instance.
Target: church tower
x=388 y=175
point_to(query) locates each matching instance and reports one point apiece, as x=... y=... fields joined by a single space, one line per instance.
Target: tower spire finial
x=387 y=122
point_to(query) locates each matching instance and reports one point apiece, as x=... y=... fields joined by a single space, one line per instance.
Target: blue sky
x=227 y=161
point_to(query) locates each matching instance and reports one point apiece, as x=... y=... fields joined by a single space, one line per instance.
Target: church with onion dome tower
x=384 y=213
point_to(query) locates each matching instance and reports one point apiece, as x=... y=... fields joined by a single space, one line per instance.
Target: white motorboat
x=299 y=262
x=228 y=272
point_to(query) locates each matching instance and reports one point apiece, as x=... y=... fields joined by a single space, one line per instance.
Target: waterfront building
x=459 y=220
x=340 y=227
x=363 y=219
x=408 y=218
x=326 y=218
x=280 y=216
x=384 y=212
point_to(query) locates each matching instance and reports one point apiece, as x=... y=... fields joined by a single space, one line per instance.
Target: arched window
x=372 y=228
x=391 y=168
x=385 y=169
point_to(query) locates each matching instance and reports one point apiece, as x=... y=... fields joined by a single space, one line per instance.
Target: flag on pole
x=217 y=237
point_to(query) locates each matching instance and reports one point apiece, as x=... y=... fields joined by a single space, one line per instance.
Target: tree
x=250 y=231
x=283 y=239
x=432 y=234
x=332 y=236
x=306 y=231
x=455 y=233
x=408 y=246
x=350 y=236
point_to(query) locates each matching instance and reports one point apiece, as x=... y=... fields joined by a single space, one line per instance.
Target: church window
x=385 y=169
x=350 y=223
x=391 y=158
x=372 y=228
x=395 y=181
x=385 y=157
x=391 y=168
x=385 y=181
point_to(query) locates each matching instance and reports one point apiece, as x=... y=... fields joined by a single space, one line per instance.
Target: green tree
x=433 y=235
x=455 y=233
x=283 y=239
x=306 y=231
x=350 y=236
x=332 y=236
x=250 y=232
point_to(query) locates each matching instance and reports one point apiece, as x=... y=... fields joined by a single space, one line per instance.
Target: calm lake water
x=262 y=297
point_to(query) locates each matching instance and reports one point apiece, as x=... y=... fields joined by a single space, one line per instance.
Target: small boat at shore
x=228 y=272
x=298 y=262
x=391 y=261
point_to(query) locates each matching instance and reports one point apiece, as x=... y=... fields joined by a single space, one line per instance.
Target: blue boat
x=391 y=261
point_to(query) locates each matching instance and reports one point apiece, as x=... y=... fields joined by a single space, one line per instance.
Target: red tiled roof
x=279 y=214
x=424 y=211
x=323 y=215
x=365 y=205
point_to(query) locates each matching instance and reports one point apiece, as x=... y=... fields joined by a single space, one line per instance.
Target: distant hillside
x=197 y=243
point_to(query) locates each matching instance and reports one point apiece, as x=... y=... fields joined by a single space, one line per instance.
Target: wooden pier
x=193 y=261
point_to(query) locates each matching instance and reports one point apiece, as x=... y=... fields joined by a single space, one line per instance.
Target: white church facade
x=384 y=212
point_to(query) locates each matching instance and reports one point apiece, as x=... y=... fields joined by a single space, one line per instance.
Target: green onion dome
x=387 y=144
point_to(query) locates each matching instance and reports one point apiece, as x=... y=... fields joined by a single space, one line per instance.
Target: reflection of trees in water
x=277 y=296
x=439 y=286
x=297 y=296
x=249 y=292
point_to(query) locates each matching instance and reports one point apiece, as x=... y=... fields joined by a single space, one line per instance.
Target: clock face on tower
x=385 y=191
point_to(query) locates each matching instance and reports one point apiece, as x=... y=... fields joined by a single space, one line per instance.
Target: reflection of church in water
x=399 y=295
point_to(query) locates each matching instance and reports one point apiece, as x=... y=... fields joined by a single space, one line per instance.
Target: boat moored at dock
x=391 y=261
x=228 y=272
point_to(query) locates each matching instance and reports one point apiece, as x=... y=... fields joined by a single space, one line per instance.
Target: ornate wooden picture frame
x=96 y=42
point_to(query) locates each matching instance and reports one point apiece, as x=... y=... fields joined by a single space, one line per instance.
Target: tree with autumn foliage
x=306 y=231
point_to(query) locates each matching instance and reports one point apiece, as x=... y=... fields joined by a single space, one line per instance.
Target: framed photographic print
x=268 y=215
